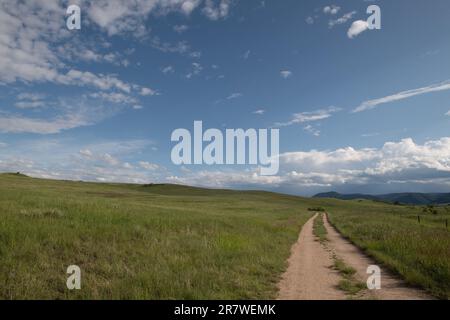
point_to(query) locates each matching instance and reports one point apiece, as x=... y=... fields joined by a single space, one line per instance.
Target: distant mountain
x=404 y=198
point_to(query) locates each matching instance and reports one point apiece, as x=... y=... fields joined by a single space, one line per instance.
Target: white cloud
x=397 y=166
x=62 y=159
x=168 y=69
x=286 y=74
x=371 y=104
x=246 y=54
x=309 y=20
x=31 y=96
x=148 y=92
x=114 y=97
x=312 y=130
x=17 y=124
x=216 y=11
x=357 y=28
x=346 y=17
x=332 y=9
x=29 y=104
x=234 y=96
x=196 y=69
x=311 y=116
x=180 y=28
x=259 y=112
x=148 y=166
x=448 y=113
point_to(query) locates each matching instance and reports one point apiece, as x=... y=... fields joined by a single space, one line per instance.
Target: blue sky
x=100 y=103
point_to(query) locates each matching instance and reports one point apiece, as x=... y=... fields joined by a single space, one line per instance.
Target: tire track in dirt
x=392 y=287
x=310 y=274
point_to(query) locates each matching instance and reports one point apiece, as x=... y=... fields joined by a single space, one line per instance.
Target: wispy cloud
x=371 y=104
x=346 y=17
x=17 y=124
x=234 y=96
x=168 y=69
x=259 y=112
x=180 y=28
x=312 y=116
x=312 y=130
x=285 y=74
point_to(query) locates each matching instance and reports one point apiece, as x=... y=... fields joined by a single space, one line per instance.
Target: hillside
x=403 y=198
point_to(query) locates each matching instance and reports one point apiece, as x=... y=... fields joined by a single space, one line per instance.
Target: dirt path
x=310 y=274
x=392 y=287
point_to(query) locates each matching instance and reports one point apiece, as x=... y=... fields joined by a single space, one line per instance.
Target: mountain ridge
x=415 y=198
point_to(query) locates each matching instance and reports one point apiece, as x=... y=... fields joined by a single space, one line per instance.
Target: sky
x=358 y=110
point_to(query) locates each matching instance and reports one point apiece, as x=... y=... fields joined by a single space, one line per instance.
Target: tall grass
x=136 y=242
x=419 y=252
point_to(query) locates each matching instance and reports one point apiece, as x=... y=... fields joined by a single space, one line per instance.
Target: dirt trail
x=310 y=274
x=392 y=287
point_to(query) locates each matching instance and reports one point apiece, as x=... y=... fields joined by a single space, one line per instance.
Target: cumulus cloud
x=100 y=161
x=371 y=104
x=396 y=166
x=357 y=28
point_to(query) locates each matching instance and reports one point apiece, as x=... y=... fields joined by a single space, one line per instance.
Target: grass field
x=419 y=252
x=142 y=242
x=174 y=242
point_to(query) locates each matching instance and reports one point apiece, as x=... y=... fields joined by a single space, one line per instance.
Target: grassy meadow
x=418 y=252
x=175 y=242
x=142 y=242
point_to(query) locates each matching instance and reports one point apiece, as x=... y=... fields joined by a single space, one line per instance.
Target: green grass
x=343 y=268
x=175 y=242
x=349 y=284
x=142 y=242
x=319 y=229
x=420 y=253
x=351 y=287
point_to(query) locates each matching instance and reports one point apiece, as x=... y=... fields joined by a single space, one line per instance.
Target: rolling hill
x=403 y=198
